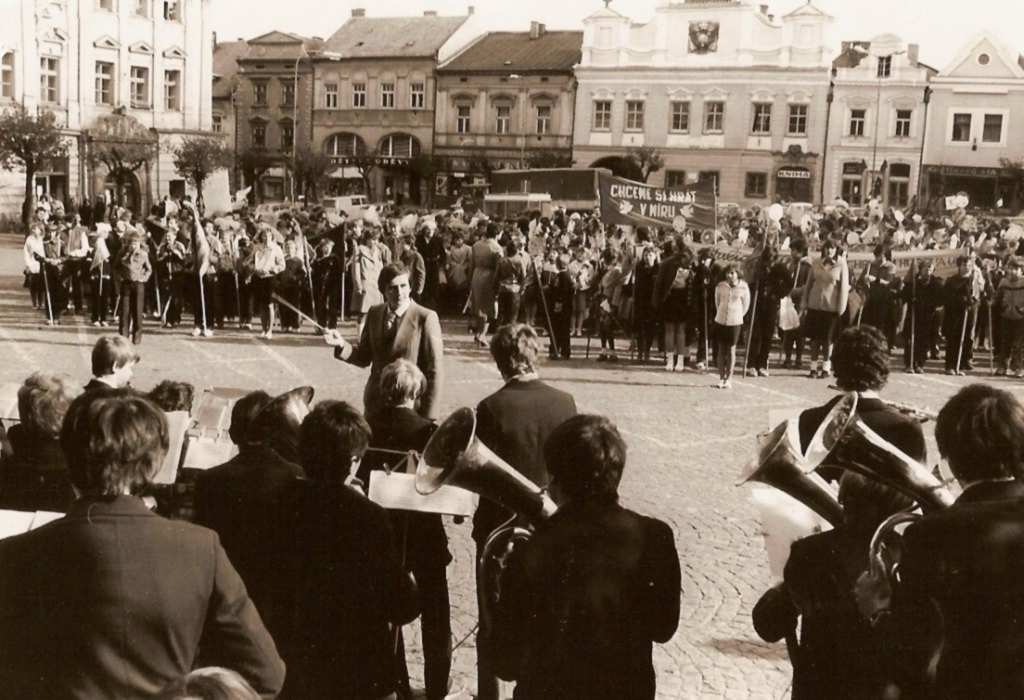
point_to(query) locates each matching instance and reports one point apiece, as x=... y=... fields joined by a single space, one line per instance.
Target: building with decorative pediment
x=877 y=128
x=722 y=89
x=976 y=121
x=148 y=60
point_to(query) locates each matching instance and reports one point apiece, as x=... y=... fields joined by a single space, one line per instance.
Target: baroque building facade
x=723 y=90
x=146 y=61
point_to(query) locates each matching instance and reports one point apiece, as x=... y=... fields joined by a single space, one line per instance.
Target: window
x=331 y=95
x=961 y=128
x=107 y=5
x=675 y=179
x=858 y=118
x=172 y=10
x=259 y=135
x=797 y=120
x=104 y=83
x=504 y=123
x=993 y=132
x=884 y=66
x=417 y=95
x=141 y=8
x=49 y=79
x=288 y=93
x=259 y=93
x=762 y=119
x=903 y=119
x=709 y=176
x=387 y=95
x=853 y=183
x=287 y=136
x=399 y=146
x=359 y=95
x=634 y=115
x=602 y=115
x=543 y=119
x=757 y=185
x=899 y=185
x=172 y=90
x=714 y=117
x=342 y=145
x=462 y=118
x=7 y=75
x=218 y=124
x=680 y=117
x=140 y=86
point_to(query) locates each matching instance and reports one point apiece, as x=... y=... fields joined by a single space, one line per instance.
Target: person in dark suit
x=246 y=500
x=585 y=598
x=424 y=543
x=514 y=422
x=954 y=628
x=398 y=328
x=560 y=295
x=35 y=477
x=860 y=361
x=113 y=363
x=838 y=654
x=350 y=585
x=113 y=601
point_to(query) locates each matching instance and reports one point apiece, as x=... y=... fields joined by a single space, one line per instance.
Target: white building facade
x=149 y=60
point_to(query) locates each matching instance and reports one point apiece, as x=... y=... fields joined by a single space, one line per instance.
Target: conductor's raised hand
x=333 y=338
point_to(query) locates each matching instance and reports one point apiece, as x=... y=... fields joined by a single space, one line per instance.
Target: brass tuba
x=455 y=456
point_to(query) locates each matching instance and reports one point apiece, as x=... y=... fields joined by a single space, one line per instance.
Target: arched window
x=399 y=146
x=7 y=76
x=345 y=145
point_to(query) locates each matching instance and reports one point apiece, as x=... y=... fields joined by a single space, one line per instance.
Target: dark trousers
x=78 y=272
x=207 y=303
x=229 y=295
x=562 y=325
x=508 y=306
x=486 y=672
x=960 y=324
x=175 y=299
x=245 y=301
x=102 y=293
x=923 y=333
x=763 y=331
x=290 y=291
x=55 y=296
x=436 y=631
x=133 y=301
x=793 y=341
x=644 y=337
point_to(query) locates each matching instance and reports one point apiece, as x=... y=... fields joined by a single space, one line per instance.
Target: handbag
x=789 y=317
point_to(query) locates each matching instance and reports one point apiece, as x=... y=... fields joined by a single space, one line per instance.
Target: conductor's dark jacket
x=515 y=422
x=582 y=603
x=113 y=601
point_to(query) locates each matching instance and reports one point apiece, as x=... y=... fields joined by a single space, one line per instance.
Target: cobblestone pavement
x=686 y=443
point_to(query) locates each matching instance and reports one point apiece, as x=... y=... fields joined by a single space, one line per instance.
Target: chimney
x=537 y=30
x=215 y=40
x=470 y=10
x=764 y=10
x=358 y=12
x=913 y=50
x=430 y=13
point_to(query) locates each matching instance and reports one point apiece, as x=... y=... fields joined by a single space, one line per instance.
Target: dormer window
x=884 y=66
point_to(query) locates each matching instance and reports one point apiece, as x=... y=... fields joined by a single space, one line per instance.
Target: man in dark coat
x=955 y=629
x=515 y=422
x=431 y=247
x=113 y=601
x=245 y=500
x=583 y=601
x=350 y=586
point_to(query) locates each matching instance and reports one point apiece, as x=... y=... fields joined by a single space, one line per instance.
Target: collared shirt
x=523 y=377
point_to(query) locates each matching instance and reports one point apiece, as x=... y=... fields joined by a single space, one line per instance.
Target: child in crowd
x=113 y=363
x=1009 y=304
x=732 y=301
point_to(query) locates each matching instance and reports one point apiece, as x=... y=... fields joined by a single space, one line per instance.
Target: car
x=353 y=205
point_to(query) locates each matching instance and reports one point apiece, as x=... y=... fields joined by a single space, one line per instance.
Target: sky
x=940 y=27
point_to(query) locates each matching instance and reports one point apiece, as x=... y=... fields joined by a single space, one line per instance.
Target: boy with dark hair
x=113 y=363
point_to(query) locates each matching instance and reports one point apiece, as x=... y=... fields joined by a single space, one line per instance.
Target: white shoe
x=701 y=367
x=207 y=333
x=727 y=384
x=269 y=335
x=96 y=324
x=196 y=332
x=668 y=365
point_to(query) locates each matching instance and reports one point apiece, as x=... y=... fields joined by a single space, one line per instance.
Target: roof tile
x=378 y=37
x=516 y=51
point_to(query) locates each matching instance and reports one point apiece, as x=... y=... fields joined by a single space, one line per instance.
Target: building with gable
x=505 y=101
x=374 y=101
x=226 y=95
x=876 y=133
x=723 y=90
x=976 y=121
x=273 y=110
x=147 y=62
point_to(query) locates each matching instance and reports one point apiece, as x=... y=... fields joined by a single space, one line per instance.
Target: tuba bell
x=455 y=456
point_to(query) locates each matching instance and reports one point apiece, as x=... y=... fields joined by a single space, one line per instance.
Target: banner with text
x=628 y=203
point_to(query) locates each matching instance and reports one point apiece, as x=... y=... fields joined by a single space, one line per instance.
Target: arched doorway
x=399 y=182
x=127 y=195
x=344 y=148
x=620 y=167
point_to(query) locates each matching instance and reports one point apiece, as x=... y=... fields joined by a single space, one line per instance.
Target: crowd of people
x=569 y=275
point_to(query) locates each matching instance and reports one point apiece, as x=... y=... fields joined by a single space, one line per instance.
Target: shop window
x=756 y=185
x=899 y=185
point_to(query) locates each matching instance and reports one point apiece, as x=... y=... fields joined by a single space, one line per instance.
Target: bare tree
x=647 y=159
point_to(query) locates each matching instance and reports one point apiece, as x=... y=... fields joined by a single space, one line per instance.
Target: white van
x=352 y=205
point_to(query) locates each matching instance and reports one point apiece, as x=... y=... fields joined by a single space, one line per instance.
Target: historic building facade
x=374 y=101
x=273 y=110
x=877 y=124
x=976 y=123
x=148 y=61
x=227 y=96
x=722 y=90
x=505 y=101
